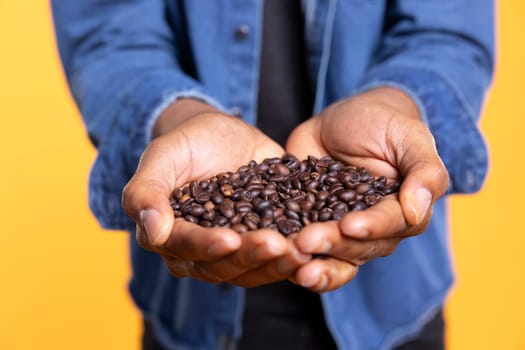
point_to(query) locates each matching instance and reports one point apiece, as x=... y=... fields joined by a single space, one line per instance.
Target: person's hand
x=195 y=142
x=381 y=131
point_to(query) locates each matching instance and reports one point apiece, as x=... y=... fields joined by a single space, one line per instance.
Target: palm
x=225 y=144
x=352 y=138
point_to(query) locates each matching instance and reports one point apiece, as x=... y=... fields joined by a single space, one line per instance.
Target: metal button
x=242 y=31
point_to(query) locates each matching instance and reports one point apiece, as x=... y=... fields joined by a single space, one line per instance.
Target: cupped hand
x=195 y=142
x=381 y=131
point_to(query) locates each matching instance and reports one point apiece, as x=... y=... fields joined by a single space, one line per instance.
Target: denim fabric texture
x=127 y=60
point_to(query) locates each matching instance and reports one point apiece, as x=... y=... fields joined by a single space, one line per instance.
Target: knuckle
x=389 y=248
x=197 y=271
x=128 y=197
x=176 y=267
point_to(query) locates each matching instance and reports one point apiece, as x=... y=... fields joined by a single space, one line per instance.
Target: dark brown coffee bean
x=293 y=206
x=265 y=222
x=186 y=198
x=306 y=205
x=227 y=210
x=241 y=228
x=347 y=196
x=236 y=219
x=282 y=169
x=227 y=190
x=372 y=199
x=339 y=206
x=251 y=224
x=209 y=214
x=264 y=204
x=338 y=215
x=325 y=214
x=197 y=210
x=277 y=178
x=359 y=206
x=205 y=223
x=289 y=226
x=177 y=194
x=312 y=185
x=192 y=219
x=217 y=197
x=363 y=188
x=290 y=214
x=220 y=220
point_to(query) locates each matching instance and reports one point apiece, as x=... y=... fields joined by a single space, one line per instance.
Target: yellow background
x=63 y=279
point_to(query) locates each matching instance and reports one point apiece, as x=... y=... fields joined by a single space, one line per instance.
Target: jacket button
x=242 y=31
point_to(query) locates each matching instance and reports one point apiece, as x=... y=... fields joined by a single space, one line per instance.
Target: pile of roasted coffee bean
x=282 y=194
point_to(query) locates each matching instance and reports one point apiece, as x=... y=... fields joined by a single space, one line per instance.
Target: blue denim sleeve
x=121 y=62
x=441 y=54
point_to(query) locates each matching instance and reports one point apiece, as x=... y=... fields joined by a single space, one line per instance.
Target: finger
x=324 y=275
x=146 y=197
x=257 y=248
x=305 y=141
x=189 y=241
x=382 y=221
x=425 y=178
x=276 y=270
x=326 y=239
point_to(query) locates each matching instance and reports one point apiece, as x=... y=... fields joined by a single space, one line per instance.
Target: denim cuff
x=171 y=97
x=453 y=124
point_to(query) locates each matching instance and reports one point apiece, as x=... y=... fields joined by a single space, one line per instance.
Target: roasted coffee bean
x=217 y=197
x=241 y=228
x=282 y=169
x=290 y=214
x=236 y=219
x=197 y=210
x=227 y=190
x=265 y=222
x=347 y=195
x=282 y=194
x=227 y=210
x=205 y=223
x=177 y=194
x=325 y=214
x=293 y=206
x=338 y=215
x=359 y=206
x=209 y=214
x=192 y=219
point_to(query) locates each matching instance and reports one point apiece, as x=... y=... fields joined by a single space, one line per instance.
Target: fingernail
x=156 y=230
x=420 y=203
x=360 y=234
x=323 y=283
x=310 y=281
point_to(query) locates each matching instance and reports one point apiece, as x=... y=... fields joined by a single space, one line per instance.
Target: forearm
x=178 y=112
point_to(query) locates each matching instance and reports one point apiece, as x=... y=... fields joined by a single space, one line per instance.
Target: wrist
x=397 y=99
x=178 y=112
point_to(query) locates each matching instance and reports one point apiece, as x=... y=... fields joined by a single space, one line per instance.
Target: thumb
x=146 y=197
x=425 y=179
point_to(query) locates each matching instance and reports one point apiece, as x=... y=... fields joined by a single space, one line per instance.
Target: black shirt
x=283 y=315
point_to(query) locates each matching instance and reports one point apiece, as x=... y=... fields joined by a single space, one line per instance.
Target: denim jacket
x=127 y=60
